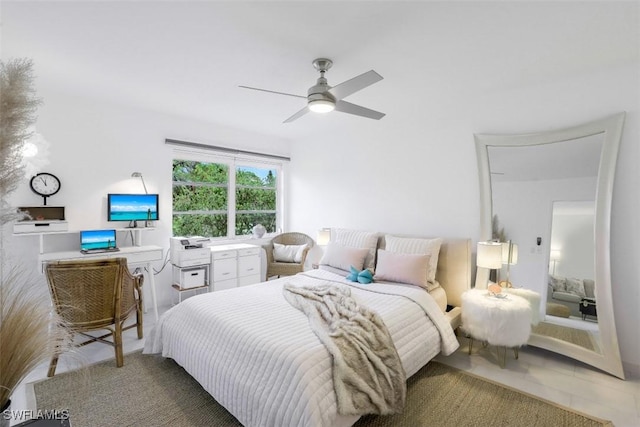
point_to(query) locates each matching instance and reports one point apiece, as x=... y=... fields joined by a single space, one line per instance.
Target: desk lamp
x=139 y=175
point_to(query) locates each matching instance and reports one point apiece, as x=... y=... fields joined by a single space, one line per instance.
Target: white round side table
x=501 y=322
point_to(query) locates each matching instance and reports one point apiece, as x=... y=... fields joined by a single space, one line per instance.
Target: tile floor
x=537 y=372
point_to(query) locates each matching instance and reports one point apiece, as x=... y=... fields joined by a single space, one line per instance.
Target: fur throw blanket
x=368 y=375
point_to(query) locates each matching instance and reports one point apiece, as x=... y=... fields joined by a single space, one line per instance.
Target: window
x=216 y=196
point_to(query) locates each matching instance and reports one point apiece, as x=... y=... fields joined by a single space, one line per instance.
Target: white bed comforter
x=259 y=358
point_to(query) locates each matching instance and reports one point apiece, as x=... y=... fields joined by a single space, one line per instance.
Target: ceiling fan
x=322 y=98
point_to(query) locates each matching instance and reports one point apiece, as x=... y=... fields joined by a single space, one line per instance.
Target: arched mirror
x=550 y=194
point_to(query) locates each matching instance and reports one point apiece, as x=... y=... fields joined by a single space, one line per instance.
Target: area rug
x=575 y=336
x=153 y=391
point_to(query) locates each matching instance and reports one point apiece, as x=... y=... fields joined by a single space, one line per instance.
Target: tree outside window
x=207 y=198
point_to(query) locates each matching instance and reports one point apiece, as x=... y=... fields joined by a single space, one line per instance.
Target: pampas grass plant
x=29 y=331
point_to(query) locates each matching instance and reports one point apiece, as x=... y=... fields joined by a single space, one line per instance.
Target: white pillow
x=288 y=253
x=357 y=239
x=342 y=257
x=410 y=245
x=403 y=268
x=575 y=286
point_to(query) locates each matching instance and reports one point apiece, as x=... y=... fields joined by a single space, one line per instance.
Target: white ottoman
x=532 y=297
x=501 y=322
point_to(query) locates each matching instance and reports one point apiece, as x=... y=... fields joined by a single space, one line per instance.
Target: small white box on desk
x=190 y=277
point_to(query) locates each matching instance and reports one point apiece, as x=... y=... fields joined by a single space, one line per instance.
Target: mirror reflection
x=550 y=194
x=543 y=199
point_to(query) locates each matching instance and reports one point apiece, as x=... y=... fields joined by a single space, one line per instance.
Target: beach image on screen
x=133 y=207
x=97 y=239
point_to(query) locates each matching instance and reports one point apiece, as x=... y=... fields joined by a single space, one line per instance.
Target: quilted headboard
x=454 y=267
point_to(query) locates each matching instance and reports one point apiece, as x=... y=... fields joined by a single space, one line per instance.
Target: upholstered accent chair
x=292 y=243
x=95 y=295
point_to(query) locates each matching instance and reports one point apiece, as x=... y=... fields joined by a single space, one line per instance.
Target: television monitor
x=92 y=240
x=132 y=207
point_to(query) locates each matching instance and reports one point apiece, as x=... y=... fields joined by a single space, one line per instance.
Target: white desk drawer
x=142 y=257
x=248 y=265
x=224 y=269
x=249 y=251
x=223 y=254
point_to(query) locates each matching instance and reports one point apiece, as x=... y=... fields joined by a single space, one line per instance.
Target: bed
x=258 y=357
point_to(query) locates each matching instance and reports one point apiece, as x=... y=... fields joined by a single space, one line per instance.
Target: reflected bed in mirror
x=550 y=193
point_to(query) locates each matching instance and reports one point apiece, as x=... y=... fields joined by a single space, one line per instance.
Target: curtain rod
x=225 y=149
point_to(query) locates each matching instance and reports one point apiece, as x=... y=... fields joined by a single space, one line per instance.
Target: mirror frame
x=608 y=359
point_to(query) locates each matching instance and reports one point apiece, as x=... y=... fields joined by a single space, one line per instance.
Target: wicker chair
x=92 y=295
x=275 y=268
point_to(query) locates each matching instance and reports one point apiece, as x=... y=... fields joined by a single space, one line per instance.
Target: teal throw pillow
x=363 y=276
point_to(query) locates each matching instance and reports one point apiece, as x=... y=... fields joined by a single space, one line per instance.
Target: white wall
x=94 y=149
x=419 y=175
x=574 y=235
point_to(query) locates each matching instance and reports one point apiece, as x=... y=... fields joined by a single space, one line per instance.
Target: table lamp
x=489 y=255
x=324 y=236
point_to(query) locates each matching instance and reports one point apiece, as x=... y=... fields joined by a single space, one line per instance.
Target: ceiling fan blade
x=347 y=107
x=355 y=84
x=297 y=115
x=272 y=91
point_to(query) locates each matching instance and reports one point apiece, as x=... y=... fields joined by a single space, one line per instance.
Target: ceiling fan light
x=321 y=106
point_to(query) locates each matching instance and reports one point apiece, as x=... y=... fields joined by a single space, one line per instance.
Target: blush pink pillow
x=402 y=268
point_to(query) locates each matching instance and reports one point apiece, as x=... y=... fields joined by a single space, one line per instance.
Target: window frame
x=232 y=162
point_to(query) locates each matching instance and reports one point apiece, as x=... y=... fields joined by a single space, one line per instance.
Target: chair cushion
x=288 y=253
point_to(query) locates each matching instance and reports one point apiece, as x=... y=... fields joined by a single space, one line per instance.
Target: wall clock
x=45 y=184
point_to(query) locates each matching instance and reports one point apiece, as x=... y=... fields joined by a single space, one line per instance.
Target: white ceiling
x=188 y=58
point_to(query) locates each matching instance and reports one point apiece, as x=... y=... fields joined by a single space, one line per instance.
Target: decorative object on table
x=258 y=231
x=495 y=290
x=38 y=219
x=45 y=184
x=29 y=333
x=365 y=277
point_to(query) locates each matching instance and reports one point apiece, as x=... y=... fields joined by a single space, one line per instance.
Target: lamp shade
x=489 y=255
x=324 y=236
x=509 y=253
